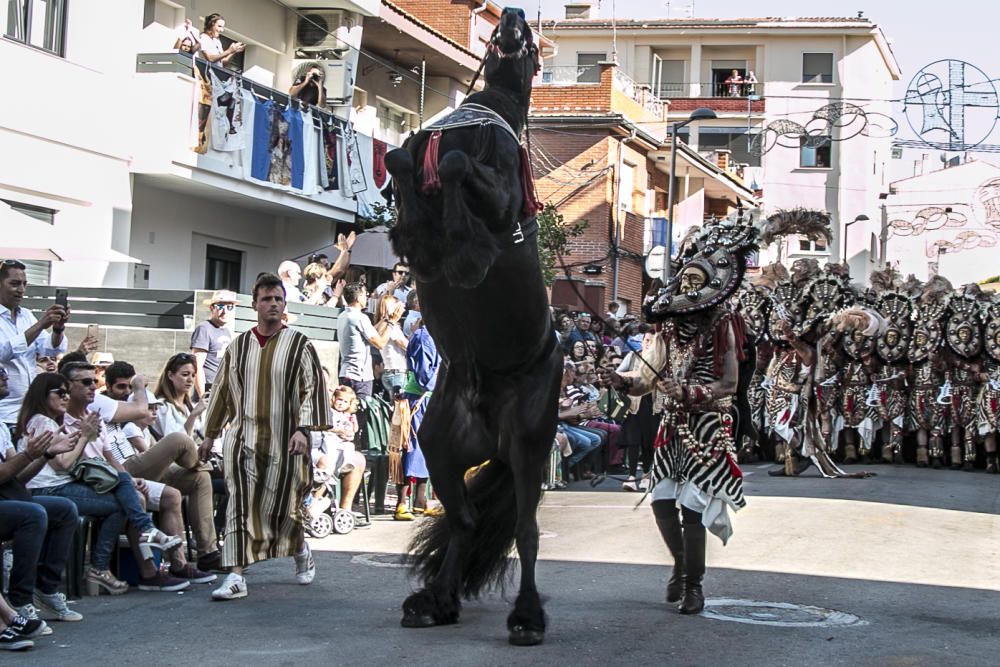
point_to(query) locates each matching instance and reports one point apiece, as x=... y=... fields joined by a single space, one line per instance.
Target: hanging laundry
x=331 y=153
x=355 y=169
x=249 y=119
x=281 y=151
x=367 y=151
x=310 y=152
x=227 y=114
x=296 y=155
x=379 y=173
x=202 y=109
x=263 y=123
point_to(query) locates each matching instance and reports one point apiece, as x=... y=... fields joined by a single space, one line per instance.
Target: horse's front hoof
x=414 y=620
x=522 y=636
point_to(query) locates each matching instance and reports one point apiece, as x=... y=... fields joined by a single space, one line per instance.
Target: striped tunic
x=708 y=481
x=264 y=394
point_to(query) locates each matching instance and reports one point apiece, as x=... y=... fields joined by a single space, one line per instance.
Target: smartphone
x=93 y=331
x=62 y=297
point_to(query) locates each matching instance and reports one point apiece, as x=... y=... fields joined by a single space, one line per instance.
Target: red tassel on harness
x=531 y=205
x=432 y=183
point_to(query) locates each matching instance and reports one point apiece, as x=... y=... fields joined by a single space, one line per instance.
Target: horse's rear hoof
x=412 y=620
x=522 y=636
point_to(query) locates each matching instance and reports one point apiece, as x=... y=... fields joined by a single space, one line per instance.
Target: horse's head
x=512 y=59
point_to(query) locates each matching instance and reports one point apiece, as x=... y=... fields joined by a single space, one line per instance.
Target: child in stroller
x=334 y=458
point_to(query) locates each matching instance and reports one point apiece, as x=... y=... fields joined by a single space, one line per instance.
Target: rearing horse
x=467 y=226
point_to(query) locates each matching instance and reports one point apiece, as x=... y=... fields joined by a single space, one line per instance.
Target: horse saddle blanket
x=469 y=115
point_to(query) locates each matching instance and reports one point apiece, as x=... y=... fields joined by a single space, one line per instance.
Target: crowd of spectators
x=599 y=430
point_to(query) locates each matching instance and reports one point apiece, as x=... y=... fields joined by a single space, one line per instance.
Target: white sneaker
x=54 y=607
x=305 y=567
x=233 y=587
x=629 y=484
x=644 y=484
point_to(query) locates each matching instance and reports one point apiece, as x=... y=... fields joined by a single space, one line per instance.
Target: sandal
x=156 y=539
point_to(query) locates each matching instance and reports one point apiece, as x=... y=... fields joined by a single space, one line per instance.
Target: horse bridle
x=493 y=48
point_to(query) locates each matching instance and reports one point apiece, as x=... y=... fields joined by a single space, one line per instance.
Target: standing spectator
x=320 y=258
x=209 y=44
x=39 y=529
x=211 y=338
x=397 y=286
x=356 y=334
x=188 y=40
x=734 y=84
x=422 y=363
x=582 y=330
x=270 y=390
x=390 y=311
x=291 y=274
x=308 y=83
x=412 y=314
x=751 y=83
x=23 y=338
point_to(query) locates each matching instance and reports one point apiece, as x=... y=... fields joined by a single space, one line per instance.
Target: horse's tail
x=493 y=505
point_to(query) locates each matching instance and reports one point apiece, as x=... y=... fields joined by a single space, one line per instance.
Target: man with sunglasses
x=211 y=338
x=23 y=337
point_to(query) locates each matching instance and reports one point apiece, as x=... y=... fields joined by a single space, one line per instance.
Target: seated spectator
x=39 y=529
x=17 y=633
x=211 y=338
x=46 y=364
x=390 y=312
x=333 y=450
x=57 y=403
x=100 y=361
x=210 y=46
x=177 y=412
x=173 y=461
x=594 y=350
x=578 y=351
x=307 y=84
x=563 y=326
x=291 y=274
x=574 y=409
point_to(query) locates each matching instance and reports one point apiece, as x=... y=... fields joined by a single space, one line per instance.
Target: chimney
x=578 y=10
x=722 y=158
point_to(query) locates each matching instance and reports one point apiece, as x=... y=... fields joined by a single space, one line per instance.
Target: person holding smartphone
x=23 y=337
x=307 y=84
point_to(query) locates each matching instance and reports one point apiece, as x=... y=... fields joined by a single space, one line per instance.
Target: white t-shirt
x=171 y=420
x=49 y=476
x=210 y=46
x=394 y=356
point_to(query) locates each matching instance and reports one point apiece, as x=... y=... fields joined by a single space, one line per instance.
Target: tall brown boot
x=956 y=457
x=922 y=459
x=669 y=524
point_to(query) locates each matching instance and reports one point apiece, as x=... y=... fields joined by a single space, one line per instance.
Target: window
x=817 y=68
x=587 y=68
x=38 y=23
x=38 y=272
x=668 y=78
x=394 y=123
x=734 y=139
x=236 y=62
x=223 y=267
x=808 y=245
x=814 y=152
x=727 y=78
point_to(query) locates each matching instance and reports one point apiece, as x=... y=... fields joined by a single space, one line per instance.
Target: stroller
x=324 y=515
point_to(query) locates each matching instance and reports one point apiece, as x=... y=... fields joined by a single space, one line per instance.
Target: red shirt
x=262 y=339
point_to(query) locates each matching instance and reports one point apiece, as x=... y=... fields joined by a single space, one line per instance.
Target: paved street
x=910 y=558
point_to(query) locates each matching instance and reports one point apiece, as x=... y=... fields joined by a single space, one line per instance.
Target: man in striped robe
x=271 y=393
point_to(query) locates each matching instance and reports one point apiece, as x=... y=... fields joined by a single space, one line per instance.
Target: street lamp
x=860 y=218
x=701 y=113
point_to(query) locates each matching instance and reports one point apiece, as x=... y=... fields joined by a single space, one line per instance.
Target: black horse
x=467 y=226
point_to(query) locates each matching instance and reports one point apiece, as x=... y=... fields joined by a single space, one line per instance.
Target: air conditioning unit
x=316 y=31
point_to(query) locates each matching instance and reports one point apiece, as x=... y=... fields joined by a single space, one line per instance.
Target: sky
x=919 y=31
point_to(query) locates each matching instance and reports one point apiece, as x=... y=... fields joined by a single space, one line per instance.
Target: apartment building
x=107 y=161
x=801 y=103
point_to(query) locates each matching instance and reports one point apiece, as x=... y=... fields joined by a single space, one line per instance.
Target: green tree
x=554 y=236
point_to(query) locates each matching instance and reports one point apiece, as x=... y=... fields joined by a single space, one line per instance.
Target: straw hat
x=221 y=296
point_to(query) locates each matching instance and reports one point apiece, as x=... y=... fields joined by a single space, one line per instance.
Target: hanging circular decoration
x=951 y=105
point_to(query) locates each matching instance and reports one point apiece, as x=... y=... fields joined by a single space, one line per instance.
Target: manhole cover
x=382 y=560
x=780 y=614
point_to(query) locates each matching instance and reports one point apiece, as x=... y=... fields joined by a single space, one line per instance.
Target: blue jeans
x=393 y=381
x=41 y=533
x=114 y=508
x=580 y=441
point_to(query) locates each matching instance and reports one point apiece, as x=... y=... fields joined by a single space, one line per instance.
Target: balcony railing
x=638 y=92
x=570 y=75
x=597 y=87
x=673 y=89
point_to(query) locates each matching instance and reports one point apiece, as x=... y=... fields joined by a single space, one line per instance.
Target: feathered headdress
x=812 y=224
x=771 y=275
x=885 y=279
x=937 y=290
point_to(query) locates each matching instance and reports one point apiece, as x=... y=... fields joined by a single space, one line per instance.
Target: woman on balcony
x=734 y=84
x=211 y=46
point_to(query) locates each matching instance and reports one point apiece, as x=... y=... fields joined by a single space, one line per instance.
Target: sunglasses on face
x=13 y=263
x=61 y=393
x=223 y=306
x=87 y=382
